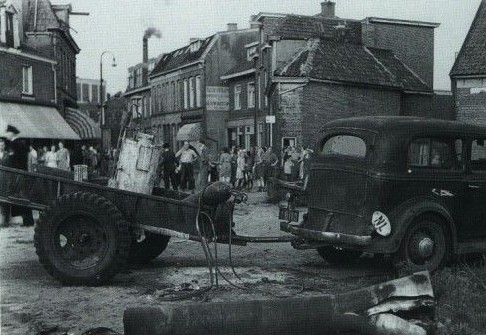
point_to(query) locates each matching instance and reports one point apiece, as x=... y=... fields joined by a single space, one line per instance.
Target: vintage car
x=410 y=187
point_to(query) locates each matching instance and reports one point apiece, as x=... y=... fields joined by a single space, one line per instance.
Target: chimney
x=232 y=26
x=145 y=61
x=328 y=9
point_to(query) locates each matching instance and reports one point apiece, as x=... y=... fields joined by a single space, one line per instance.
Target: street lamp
x=102 y=98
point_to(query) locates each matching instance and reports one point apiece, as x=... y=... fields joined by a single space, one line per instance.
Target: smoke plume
x=152 y=32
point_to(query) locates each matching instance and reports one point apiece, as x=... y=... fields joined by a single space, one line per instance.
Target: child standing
x=288 y=166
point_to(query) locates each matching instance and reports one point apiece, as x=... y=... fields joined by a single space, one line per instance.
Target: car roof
x=405 y=124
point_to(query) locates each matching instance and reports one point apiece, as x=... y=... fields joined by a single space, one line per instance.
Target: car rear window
x=344 y=145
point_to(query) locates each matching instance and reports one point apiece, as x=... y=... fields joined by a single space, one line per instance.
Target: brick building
x=468 y=74
x=28 y=94
x=243 y=105
x=317 y=68
x=189 y=99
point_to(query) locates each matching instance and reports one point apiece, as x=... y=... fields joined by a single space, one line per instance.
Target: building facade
x=468 y=75
x=317 y=68
x=190 y=101
x=28 y=94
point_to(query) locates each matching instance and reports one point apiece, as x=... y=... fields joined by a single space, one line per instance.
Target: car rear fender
x=406 y=213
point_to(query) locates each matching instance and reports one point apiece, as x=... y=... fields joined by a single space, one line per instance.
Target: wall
x=417 y=105
x=471 y=107
x=11 y=81
x=325 y=102
x=290 y=107
x=413 y=45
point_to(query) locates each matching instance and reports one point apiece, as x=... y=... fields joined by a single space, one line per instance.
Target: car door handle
x=474 y=187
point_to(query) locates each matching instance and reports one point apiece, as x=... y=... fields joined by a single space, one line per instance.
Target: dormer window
x=9 y=31
x=252 y=52
x=195 y=45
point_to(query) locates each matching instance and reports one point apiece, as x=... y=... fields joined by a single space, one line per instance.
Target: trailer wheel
x=338 y=256
x=82 y=239
x=148 y=249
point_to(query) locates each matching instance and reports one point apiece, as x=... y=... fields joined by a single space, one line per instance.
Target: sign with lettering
x=217 y=98
x=270 y=119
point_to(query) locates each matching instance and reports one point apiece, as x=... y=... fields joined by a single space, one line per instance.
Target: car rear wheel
x=338 y=256
x=424 y=246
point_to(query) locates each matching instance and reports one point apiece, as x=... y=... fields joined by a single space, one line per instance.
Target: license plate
x=288 y=215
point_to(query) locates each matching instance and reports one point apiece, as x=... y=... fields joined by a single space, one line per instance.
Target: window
x=478 y=155
x=159 y=98
x=174 y=96
x=251 y=95
x=251 y=52
x=435 y=153
x=191 y=92
x=94 y=93
x=78 y=91
x=237 y=97
x=27 y=80
x=259 y=96
x=85 y=97
x=265 y=79
x=260 y=134
x=130 y=81
x=344 y=145
x=198 y=91
x=186 y=94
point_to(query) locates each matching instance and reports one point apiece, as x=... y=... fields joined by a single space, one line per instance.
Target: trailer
x=88 y=231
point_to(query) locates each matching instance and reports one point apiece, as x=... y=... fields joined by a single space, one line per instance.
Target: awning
x=82 y=124
x=190 y=132
x=35 y=121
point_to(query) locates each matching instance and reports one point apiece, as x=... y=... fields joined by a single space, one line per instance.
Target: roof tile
x=352 y=63
x=472 y=57
x=179 y=57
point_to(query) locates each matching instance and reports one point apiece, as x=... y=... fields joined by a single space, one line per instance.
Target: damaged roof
x=472 y=57
x=352 y=63
x=182 y=56
x=303 y=27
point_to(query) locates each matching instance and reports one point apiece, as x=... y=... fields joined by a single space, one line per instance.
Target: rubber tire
x=147 y=250
x=107 y=216
x=336 y=256
x=402 y=260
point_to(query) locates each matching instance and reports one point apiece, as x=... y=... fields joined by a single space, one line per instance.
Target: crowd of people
x=243 y=168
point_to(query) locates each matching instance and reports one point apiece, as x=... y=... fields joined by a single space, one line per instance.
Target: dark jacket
x=19 y=152
x=167 y=161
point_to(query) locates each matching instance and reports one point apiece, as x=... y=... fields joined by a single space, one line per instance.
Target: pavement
x=33 y=302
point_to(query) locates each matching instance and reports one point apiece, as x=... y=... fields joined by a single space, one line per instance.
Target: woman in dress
x=63 y=158
x=225 y=166
x=240 y=169
x=51 y=158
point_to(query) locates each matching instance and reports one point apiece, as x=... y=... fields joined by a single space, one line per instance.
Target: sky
x=118 y=26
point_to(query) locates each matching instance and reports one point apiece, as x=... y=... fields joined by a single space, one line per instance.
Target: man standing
x=18 y=159
x=187 y=156
x=167 y=166
x=31 y=159
x=270 y=160
x=204 y=166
